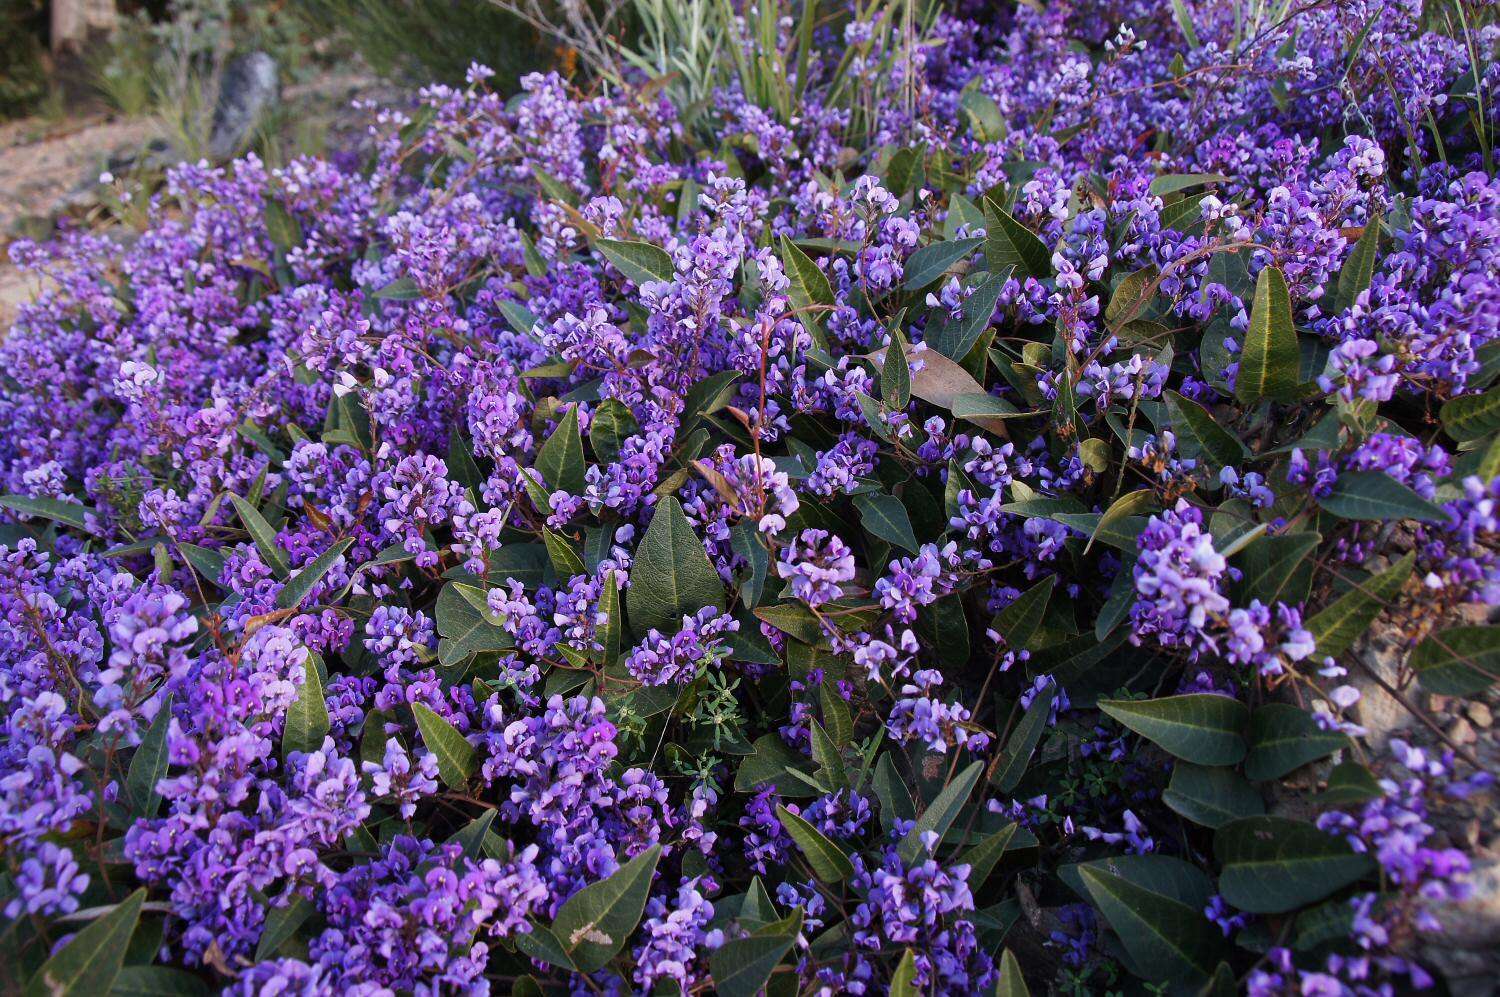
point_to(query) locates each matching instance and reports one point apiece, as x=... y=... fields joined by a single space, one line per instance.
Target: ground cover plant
x=885 y=506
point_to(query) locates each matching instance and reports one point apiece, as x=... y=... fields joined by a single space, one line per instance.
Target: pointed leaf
x=1460 y=661
x=941 y=812
x=1284 y=737
x=88 y=964
x=148 y=766
x=1010 y=767
x=1340 y=624
x=1018 y=621
x=597 y=921
x=810 y=293
x=1201 y=435
x=307 y=718
x=1201 y=728
x=308 y=576
x=1009 y=244
x=1211 y=796
x=741 y=967
x=1272 y=865
x=885 y=517
x=828 y=861
x=560 y=460
x=931 y=262
x=455 y=756
x=1011 y=983
x=1376 y=495
x=671 y=576
x=1155 y=904
x=1270 y=358
x=640 y=262
x=262 y=534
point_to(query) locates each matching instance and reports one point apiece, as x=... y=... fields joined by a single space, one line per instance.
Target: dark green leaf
x=1460 y=661
x=1270 y=358
x=1339 y=625
x=828 y=861
x=1468 y=417
x=1018 y=621
x=157 y=981
x=596 y=921
x=640 y=262
x=67 y=513
x=1270 y=564
x=1284 y=737
x=1211 y=796
x=1201 y=435
x=560 y=460
x=931 y=262
x=773 y=762
x=671 y=576
x=742 y=966
x=1011 y=983
x=1130 y=297
x=1359 y=267
x=307 y=718
x=885 y=517
x=148 y=766
x=983 y=857
x=1009 y=244
x=954 y=338
x=262 y=534
x=1200 y=727
x=810 y=293
x=895 y=376
x=1171 y=183
x=1377 y=495
x=611 y=425
x=1010 y=767
x=1350 y=784
x=1272 y=865
x=300 y=584
x=455 y=755
x=1155 y=904
x=941 y=812
x=282 y=923
x=89 y=963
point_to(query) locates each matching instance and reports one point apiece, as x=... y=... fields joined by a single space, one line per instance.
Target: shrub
x=901 y=544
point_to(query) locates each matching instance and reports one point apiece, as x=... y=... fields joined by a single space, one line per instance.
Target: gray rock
x=1380 y=713
x=249 y=87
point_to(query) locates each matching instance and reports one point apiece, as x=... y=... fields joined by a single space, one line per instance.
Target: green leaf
x=1340 y=624
x=1270 y=563
x=892 y=792
x=1184 y=20
x=1010 y=767
x=1011 y=983
x=597 y=921
x=1468 y=417
x=1211 y=796
x=88 y=964
x=895 y=375
x=472 y=836
x=208 y=563
x=931 y=262
x=1171 y=183
x=940 y=813
x=612 y=636
x=640 y=262
x=1130 y=296
x=157 y=981
x=466 y=629
x=1121 y=511
x=1270 y=358
x=1376 y=495
x=830 y=761
x=1018 y=621
x=746 y=543
x=1359 y=267
x=542 y=945
x=148 y=766
x=810 y=293
x=983 y=857
x=565 y=560
x=262 y=534
x=561 y=458
x=455 y=755
x=984 y=115
x=955 y=338
x=828 y=861
x=1350 y=784
x=611 y=425
x=883 y=515
x=1460 y=661
x=1155 y=904
x=400 y=289
x=1272 y=865
x=67 y=513
x=297 y=586
x=1009 y=244
x=1284 y=737
x=835 y=715
x=1200 y=727
x=742 y=966
x=281 y=924
x=671 y=576
x=901 y=171
x=773 y=762
x=307 y=718
x=1201 y=435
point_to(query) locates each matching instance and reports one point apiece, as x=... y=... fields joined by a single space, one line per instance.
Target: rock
x=1380 y=713
x=1462 y=732
x=1480 y=715
x=249 y=87
x=1474 y=923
